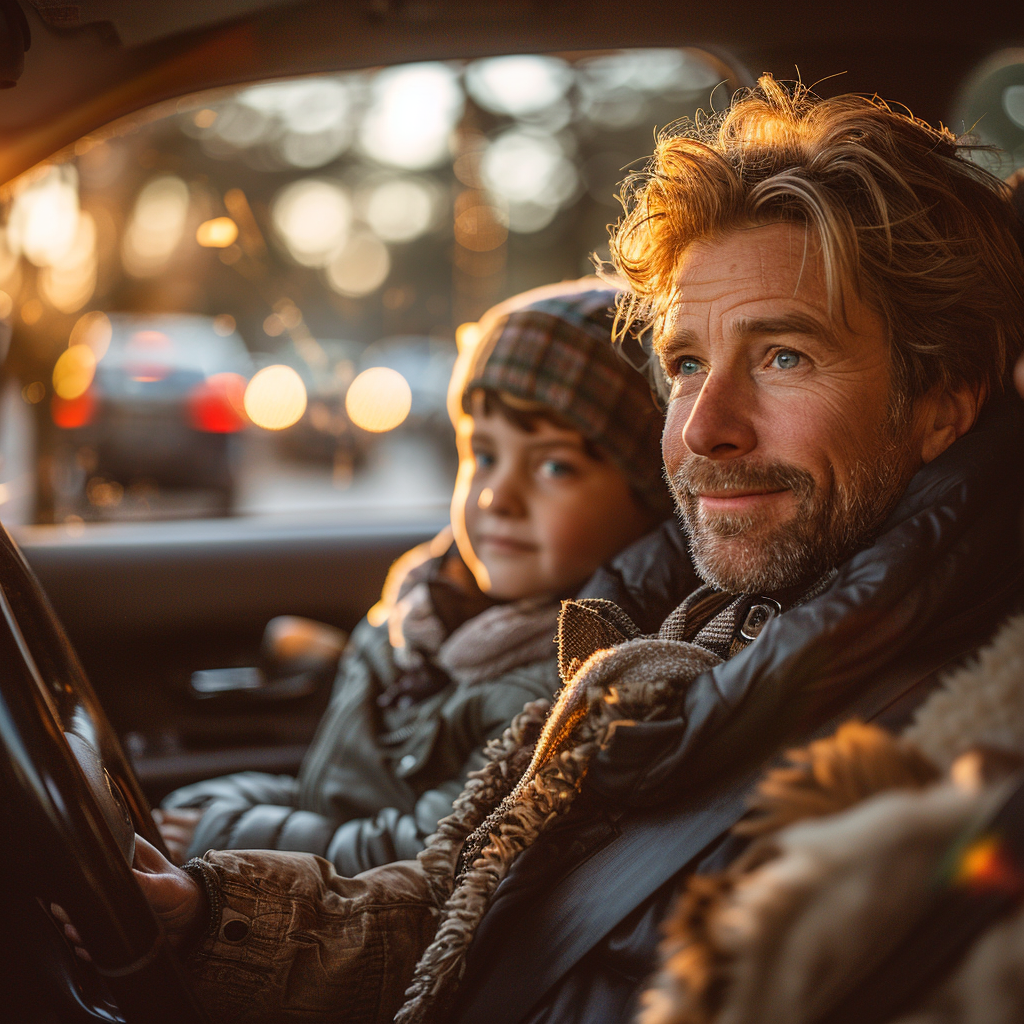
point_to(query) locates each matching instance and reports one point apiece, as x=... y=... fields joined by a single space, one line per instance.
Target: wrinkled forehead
x=749 y=273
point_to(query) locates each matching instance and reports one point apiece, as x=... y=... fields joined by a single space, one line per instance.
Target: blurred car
x=162 y=411
x=426 y=364
x=325 y=433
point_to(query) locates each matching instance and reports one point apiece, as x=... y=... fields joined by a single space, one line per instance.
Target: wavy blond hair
x=903 y=219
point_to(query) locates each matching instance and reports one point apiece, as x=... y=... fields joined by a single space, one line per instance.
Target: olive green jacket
x=375 y=782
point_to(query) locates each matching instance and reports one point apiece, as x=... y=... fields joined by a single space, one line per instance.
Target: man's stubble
x=745 y=554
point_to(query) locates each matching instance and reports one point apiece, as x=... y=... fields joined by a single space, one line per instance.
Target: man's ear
x=947 y=415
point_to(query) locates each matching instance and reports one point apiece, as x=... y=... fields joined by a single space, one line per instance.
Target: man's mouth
x=739 y=500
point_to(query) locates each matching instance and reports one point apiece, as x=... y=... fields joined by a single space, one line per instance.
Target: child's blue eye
x=786 y=360
x=556 y=468
x=484 y=460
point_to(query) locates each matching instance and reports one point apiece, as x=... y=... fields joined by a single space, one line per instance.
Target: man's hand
x=177 y=828
x=176 y=898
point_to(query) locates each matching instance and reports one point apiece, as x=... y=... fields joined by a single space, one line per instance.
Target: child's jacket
x=407 y=721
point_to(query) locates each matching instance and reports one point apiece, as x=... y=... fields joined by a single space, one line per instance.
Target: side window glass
x=249 y=302
x=991 y=108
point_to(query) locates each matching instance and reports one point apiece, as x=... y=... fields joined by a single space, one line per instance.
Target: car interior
x=177 y=638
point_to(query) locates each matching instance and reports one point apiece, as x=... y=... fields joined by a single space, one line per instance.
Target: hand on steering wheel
x=173 y=894
x=66 y=783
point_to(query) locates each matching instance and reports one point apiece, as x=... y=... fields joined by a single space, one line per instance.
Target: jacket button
x=407 y=763
x=235 y=931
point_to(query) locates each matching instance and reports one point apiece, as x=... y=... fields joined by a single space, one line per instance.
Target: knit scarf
x=494 y=641
x=612 y=677
x=442 y=628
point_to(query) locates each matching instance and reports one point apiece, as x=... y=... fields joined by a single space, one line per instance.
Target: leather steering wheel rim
x=67 y=841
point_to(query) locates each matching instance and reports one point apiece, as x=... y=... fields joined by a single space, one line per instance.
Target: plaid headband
x=558 y=352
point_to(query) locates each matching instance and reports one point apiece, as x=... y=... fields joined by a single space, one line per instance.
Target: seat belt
x=564 y=923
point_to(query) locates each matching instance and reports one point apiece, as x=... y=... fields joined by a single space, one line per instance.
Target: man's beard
x=746 y=553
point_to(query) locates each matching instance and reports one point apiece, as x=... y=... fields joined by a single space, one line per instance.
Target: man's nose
x=719 y=425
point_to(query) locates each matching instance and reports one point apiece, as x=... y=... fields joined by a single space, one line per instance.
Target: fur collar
x=812 y=901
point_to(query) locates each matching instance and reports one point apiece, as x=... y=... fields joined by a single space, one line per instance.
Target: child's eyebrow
x=567 y=442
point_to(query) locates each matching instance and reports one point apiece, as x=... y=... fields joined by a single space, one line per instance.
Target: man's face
x=781 y=444
x=534 y=513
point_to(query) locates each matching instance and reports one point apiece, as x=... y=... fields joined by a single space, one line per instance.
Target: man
x=837 y=296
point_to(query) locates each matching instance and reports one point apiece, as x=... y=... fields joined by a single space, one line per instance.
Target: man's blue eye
x=688 y=367
x=786 y=360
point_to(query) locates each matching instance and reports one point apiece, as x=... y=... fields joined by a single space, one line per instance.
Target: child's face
x=533 y=512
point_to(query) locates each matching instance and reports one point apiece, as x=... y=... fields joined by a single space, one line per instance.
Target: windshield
x=249 y=302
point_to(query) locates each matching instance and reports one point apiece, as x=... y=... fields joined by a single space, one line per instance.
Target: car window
x=249 y=302
x=991 y=109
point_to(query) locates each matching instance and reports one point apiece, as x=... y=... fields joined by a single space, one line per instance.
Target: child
x=559 y=469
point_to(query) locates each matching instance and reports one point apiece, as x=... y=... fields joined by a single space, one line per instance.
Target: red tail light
x=217 y=405
x=70 y=413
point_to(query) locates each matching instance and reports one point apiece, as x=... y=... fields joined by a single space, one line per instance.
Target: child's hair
x=526 y=414
x=548 y=354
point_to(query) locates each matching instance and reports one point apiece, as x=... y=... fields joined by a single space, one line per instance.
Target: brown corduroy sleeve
x=295 y=940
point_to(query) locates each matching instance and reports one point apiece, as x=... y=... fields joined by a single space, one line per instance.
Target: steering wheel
x=73 y=805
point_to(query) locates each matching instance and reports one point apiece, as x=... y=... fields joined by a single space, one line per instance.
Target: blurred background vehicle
x=148 y=402
x=324 y=434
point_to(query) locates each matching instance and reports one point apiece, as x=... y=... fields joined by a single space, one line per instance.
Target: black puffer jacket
x=571 y=934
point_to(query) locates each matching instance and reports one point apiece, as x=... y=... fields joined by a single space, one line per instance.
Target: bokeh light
x=156 y=227
x=275 y=398
x=531 y=172
x=361 y=267
x=518 y=85
x=412 y=112
x=43 y=221
x=224 y=324
x=218 y=233
x=467 y=335
x=74 y=372
x=69 y=282
x=93 y=330
x=378 y=400
x=400 y=210
x=480 y=227
x=312 y=217
x=312 y=118
x=217 y=405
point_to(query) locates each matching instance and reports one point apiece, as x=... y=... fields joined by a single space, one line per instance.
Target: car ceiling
x=94 y=61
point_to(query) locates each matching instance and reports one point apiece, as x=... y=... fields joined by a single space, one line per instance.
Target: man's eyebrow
x=787 y=323
x=674 y=338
